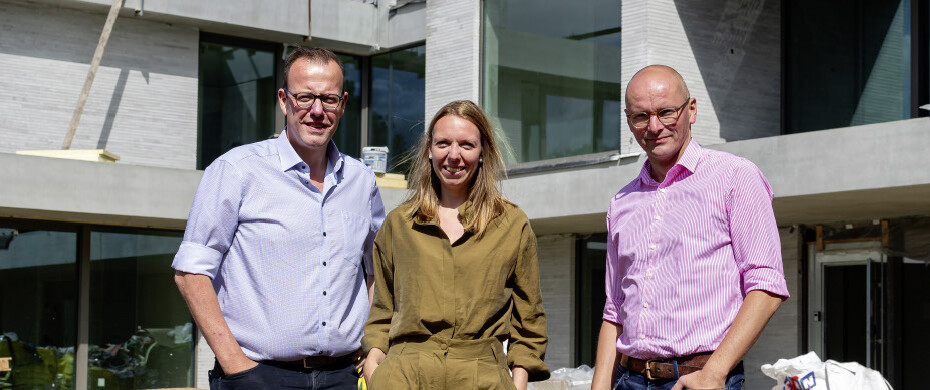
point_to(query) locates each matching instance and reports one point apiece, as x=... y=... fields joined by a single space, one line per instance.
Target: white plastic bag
x=808 y=372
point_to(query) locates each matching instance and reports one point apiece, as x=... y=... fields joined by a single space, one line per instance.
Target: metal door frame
x=838 y=254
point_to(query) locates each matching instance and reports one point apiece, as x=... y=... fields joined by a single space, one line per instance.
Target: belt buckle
x=305 y=362
x=650 y=364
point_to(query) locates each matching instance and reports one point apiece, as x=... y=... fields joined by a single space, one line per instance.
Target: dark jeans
x=630 y=381
x=265 y=377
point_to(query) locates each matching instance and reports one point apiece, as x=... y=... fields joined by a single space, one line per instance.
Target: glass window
x=398 y=93
x=348 y=136
x=237 y=97
x=849 y=69
x=140 y=333
x=552 y=75
x=38 y=307
x=591 y=295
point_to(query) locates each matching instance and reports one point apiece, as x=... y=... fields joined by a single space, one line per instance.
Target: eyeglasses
x=305 y=100
x=667 y=116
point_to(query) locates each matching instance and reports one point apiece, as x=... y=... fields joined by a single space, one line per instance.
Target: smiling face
x=312 y=128
x=652 y=90
x=455 y=152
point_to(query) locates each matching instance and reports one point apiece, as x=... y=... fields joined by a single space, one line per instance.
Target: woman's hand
x=520 y=377
x=374 y=359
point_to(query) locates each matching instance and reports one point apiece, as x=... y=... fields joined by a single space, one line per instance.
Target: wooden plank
x=92 y=72
x=819 y=237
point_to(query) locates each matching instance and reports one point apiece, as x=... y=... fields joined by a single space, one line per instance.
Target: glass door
x=846 y=302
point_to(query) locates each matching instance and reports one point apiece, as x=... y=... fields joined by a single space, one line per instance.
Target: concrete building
x=828 y=108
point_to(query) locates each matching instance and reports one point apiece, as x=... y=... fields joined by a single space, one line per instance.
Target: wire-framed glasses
x=667 y=116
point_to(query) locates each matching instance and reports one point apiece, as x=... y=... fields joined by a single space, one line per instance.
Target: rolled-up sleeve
x=611 y=279
x=528 y=339
x=754 y=232
x=212 y=222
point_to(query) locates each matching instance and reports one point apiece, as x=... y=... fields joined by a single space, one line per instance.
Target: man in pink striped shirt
x=694 y=269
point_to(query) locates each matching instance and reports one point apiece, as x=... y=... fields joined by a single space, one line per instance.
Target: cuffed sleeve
x=611 y=278
x=382 y=306
x=528 y=339
x=754 y=232
x=212 y=223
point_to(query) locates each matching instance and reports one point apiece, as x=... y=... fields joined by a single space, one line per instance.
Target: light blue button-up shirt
x=288 y=261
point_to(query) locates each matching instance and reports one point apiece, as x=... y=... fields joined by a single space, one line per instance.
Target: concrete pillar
x=453 y=51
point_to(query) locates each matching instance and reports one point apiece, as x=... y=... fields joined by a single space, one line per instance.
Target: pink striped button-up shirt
x=682 y=254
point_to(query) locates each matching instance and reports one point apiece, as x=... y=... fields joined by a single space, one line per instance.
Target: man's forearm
x=753 y=315
x=606 y=362
x=198 y=292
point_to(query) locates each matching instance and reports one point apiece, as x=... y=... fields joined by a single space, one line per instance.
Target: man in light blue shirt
x=278 y=245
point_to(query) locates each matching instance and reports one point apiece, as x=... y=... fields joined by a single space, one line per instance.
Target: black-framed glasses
x=667 y=116
x=305 y=100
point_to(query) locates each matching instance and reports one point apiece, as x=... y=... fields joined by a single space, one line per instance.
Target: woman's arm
x=375 y=342
x=528 y=339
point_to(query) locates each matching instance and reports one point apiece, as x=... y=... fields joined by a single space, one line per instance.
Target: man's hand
x=701 y=380
x=237 y=365
x=374 y=359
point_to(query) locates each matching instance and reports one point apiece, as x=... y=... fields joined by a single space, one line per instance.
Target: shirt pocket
x=355 y=230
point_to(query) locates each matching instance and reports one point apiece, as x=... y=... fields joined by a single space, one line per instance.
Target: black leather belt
x=312 y=363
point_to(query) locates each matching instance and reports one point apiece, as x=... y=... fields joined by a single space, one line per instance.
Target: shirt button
x=662 y=190
x=645 y=305
x=648 y=274
x=658 y=217
x=324 y=263
x=642 y=336
x=443 y=346
x=653 y=246
x=324 y=323
x=324 y=293
x=324 y=234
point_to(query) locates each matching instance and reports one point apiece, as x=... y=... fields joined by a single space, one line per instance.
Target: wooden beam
x=94 y=64
x=820 y=237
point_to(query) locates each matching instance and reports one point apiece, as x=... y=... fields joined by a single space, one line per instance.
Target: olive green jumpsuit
x=441 y=309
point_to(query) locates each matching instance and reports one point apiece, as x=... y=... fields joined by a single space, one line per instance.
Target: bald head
x=657 y=77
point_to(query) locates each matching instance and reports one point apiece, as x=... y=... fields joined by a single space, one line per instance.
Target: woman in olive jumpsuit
x=456 y=273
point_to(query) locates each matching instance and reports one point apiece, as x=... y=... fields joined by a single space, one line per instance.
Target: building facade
x=828 y=108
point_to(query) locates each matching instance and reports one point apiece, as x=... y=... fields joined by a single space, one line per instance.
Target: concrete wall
x=143 y=103
x=453 y=48
x=286 y=21
x=364 y=28
x=726 y=50
x=781 y=338
x=557 y=281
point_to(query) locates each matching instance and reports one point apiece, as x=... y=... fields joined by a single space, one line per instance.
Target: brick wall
x=556 y=277
x=453 y=42
x=143 y=103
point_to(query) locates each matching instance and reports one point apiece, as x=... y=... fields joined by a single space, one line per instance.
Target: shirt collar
x=289 y=157
x=465 y=211
x=688 y=161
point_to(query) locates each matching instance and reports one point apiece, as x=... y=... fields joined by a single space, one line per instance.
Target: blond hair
x=484 y=191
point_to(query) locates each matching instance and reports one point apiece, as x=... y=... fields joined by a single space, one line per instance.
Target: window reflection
x=38 y=308
x=552 y=75
x=397 y=102
x=140 y=331
x=850 y=69
x=348 y=136
x=237 y=97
